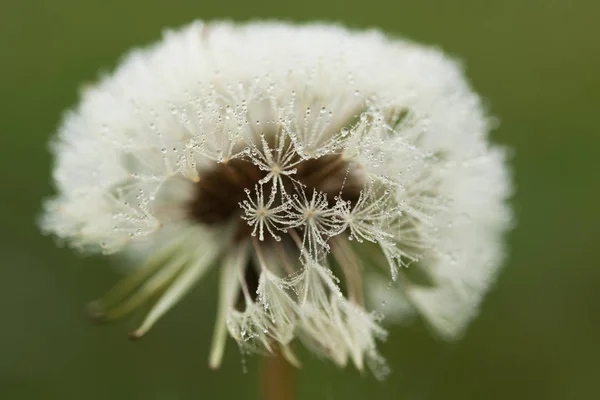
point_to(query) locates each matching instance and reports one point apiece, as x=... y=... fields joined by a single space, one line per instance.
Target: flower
x=306 y=163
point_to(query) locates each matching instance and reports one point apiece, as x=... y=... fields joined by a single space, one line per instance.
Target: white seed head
x=302 y=161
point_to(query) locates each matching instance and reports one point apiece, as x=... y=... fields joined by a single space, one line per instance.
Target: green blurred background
x=538 y=337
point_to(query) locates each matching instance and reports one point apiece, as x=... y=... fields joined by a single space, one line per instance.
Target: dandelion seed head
x=325 y=150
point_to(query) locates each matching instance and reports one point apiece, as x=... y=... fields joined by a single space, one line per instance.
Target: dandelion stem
x=277 y=378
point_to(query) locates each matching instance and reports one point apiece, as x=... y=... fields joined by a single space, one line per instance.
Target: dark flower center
x=220 y=190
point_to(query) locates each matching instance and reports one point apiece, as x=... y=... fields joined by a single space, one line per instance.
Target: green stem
x=277 y=378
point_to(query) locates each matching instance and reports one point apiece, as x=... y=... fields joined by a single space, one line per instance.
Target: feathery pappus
x=319 y=169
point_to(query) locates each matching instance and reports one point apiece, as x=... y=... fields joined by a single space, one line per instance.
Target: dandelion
x=303 y=162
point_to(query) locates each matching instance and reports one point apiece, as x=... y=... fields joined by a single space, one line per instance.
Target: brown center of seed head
x=221 y=188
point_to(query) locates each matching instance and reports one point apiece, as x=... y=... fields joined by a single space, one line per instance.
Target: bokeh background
x=537 y=62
